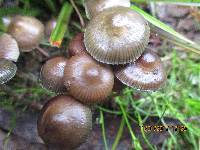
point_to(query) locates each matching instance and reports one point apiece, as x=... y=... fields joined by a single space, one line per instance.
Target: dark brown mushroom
x=118 y=35
x=87 y=80
x=64 y=123
x=7 y=70
x=94 y=7
x=52 y=73
x=50 y=25
x=28 y=32
x=147 y=73
x=76 y=45
x=8 y=47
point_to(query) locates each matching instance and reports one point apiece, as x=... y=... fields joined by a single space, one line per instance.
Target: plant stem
x=119 y=134
x=43 y=52
x=142 y=131
x=135 y=140
x=78 y=13
x=103 y=129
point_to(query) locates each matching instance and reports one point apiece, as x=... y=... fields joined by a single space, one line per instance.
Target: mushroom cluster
x=112 y=49
x=24 y=33
x=113 y=46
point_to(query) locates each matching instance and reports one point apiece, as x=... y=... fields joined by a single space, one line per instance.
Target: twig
x=43 y=52
x=78 y=13
x=17 y=98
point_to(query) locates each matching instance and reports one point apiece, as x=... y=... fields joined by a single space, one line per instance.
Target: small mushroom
x=87 y=80
x=94 y=7
x=7 y=70
x=51 y=74
x=118 y=35
x=28 y=32
x=8 y=47
x=76 y=45
x=50 y=25
x=147 y=73
x=64 y=123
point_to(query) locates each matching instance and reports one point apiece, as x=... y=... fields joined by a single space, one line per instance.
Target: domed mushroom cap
x=147 y=73
x=88 y=80
x=118 y=35
x=7 y=70
x=52 y=73
x=28 y=32
x=64 y=123
x=50 y=25
x=94 y=7
x=76 y=45
x=8 y=47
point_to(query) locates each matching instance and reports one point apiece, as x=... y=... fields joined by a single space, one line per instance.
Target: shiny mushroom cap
x=87 y=80
x=118 y=35
x=52 y=73
x=50 y=25
x=28 y=32
x=64 y=123
x=7 y=70
x=8 y=47
x=94 y=7
x=147 y=73
x=76 y=45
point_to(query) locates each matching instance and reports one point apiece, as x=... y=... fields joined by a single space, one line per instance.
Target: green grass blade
x=168 y=32
x=61 y=26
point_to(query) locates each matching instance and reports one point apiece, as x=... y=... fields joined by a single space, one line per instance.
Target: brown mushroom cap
x=8 y=47
x=147 y=73
x=52 y=73
x=64 y=123
x=28 y=32
x=76 y=45
x=88 y=80
x=94 y=7
x=50 y=25
x=117 y=35
x=7 y=70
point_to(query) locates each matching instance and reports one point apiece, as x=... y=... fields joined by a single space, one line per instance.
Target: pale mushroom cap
x=147 y=73
x=7 y=70
x=87 y=80
x=94 y=7
x=8 y=47
x=52 y=73
x=64 y=123
x=118 y=35
x=28 y=32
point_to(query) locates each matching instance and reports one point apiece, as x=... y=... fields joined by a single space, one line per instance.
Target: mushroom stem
x=43 y=52
x=78 y=13
x=16 y=98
